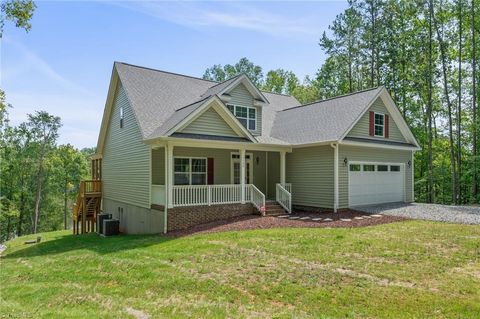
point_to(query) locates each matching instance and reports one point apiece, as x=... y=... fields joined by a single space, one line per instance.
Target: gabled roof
x=162 y=101
x=322 y=121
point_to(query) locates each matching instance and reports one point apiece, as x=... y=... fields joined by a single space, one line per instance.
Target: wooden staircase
x=272 y=208
x=87 y=207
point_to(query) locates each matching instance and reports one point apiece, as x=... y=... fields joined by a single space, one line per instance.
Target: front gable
x=209 y=123
x=239 y=95
x=362 y=129
x=212 y=118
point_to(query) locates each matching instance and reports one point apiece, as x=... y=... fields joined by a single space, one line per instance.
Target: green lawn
x=406 y=269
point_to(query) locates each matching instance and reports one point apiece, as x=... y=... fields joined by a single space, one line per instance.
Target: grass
x=401 y=270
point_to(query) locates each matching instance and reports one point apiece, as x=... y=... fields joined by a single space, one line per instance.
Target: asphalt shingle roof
x=160 y=100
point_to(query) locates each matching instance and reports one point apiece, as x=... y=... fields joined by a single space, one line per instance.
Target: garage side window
x=354 y=167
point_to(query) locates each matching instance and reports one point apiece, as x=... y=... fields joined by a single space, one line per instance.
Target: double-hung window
x=246 y=115
x=379 y=124
x=190 y=171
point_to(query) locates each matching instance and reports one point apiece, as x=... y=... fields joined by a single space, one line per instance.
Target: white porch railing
x=284 y=198
x=196 y=195
x=257 y=198
x=288 y=187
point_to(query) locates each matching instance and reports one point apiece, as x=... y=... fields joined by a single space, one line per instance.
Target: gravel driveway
x=442 y=213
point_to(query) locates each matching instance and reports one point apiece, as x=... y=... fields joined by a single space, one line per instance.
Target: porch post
x=282 y=168
x=170 y=175
x=242 y=175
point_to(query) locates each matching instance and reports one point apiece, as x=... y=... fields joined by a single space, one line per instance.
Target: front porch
x=198 y=174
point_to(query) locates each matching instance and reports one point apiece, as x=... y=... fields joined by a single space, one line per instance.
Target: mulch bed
x=257 y=222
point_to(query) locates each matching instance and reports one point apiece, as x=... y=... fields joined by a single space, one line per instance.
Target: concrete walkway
x=443 y=213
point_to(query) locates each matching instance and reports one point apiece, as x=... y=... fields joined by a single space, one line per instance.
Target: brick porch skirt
x=185 y=217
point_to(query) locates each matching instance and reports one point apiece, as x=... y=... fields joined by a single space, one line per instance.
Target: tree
x=474 y=103
x=19 y=12
x=71 y=167
x=44 y=129
x=245 y=66
x=281 y=81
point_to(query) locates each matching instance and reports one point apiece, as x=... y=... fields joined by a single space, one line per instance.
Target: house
x=175 y=150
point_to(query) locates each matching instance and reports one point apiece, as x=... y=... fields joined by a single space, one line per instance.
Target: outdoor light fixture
x=345 y=161
x=409 y=163
x=257 y=159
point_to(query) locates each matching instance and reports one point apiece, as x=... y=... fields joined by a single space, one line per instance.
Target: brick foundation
x=185 y=217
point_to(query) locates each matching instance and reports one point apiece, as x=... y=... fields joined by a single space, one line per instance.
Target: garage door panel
x=374 y=187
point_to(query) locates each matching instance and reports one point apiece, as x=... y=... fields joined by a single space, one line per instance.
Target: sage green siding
x=126 y=159
x=241 y=96
x=361 y=128
x=310 y=170
x=370 y=154
x=158 y=166
x=273 y=166
x=210 y=123
x=222 y=163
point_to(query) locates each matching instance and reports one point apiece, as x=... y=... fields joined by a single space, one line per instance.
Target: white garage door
x=376 y=183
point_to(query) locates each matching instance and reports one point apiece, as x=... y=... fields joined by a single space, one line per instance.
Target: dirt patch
x=257 y=222
x=138 y=314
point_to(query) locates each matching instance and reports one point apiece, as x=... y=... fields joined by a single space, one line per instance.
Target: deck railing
x=284 y=198
x=196 y=195
x=257 y=198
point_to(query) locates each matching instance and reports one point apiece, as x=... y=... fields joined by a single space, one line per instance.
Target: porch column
x=242 y=175
x=169 y=175
x=282 y=168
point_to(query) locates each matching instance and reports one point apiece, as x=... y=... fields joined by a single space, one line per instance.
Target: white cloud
x=230 y=15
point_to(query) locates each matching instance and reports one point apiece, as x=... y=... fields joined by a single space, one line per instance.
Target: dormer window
x=379 y=125
x=246 y=115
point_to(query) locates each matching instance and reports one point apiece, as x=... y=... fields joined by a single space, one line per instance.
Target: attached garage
x=376 y=183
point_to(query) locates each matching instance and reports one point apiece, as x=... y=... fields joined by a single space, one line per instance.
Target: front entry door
x=235 y=168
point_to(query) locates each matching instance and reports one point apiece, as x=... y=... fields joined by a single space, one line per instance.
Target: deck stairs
x=87 y=206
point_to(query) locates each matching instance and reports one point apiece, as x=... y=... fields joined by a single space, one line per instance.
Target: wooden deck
x=87 y=207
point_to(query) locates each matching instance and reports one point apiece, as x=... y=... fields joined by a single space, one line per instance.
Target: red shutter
x=386 y=126
x=210 y=170
x=372 y=123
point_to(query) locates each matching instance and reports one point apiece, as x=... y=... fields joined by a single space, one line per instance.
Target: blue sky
x=63 y=65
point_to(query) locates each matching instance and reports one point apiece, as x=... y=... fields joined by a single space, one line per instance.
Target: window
x=190 y=171
x=368 y=168
x=379 y=124
x=246 y=115
x=394 y=168
x=121 y=116
x=382 y=168
x=355 y=168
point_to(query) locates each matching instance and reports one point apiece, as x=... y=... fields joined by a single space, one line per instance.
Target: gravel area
x=442 y=213
x=299 y=219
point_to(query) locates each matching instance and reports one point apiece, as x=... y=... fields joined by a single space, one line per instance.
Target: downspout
x=335 y=176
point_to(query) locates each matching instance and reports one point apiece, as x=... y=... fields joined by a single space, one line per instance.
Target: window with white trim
x=246 y=115
x=379 y=124
x=190 y=171
x=121 y=116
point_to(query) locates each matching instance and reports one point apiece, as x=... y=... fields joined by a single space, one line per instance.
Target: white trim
x=191 y=142
x=378 y=145
x=248 y=85
x=224 y=113
x=170 y=176
x=375 y=124
x=242 y=174
x=266 y=173
x=403 y=167
x=282 y=168
x=413 y=176
x=335 y=147
x=167 y=186
x=250 y=161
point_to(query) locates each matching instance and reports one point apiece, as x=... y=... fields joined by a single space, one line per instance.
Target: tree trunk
x=22 y=206
x=65 y=199
x=430 y=195
x=474 y=106
x=443 y=56
x=38 y=196
x=459 y=107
